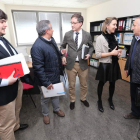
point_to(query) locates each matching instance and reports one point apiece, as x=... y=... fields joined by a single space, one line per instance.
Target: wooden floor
x=81 y=123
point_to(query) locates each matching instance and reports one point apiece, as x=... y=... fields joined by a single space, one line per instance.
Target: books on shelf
x=94 y=62
x=127 y=38
x=95 y=28
x=121 y=25
x=101 y=25
x=121 y=46
x=95 y=37
x=124 y=38
x=98 y=28
x=128 y=24
x=119 y=38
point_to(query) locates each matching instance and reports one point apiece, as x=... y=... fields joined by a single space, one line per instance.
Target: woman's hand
x=116 y=52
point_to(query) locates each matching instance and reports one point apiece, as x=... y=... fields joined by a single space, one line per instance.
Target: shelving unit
x=126 y=23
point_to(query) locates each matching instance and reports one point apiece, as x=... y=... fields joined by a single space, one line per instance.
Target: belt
x=76 y=61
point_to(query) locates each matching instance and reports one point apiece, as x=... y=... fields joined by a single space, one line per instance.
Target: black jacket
x=9 y=93
x=47 y=63
x=136 y=62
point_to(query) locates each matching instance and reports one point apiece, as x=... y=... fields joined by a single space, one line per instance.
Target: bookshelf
x=124 y=36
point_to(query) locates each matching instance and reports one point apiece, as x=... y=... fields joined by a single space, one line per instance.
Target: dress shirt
x=79 y=40
x=137 y=37
x=47 y=39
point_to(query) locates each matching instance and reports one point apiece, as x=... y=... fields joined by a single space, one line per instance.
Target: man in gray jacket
x=74 y=63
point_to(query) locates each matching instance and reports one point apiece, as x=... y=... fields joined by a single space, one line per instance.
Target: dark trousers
x=133 y=87
x=100 y=90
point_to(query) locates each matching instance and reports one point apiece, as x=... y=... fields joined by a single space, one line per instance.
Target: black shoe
x=100 y=106
x=22 y=126
x=72 y=105
x=111 y=104
x=85 y=103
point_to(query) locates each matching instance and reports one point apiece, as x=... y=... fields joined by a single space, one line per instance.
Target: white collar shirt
x=79 y=40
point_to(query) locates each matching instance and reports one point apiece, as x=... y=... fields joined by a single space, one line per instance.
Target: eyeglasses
x=74 y=22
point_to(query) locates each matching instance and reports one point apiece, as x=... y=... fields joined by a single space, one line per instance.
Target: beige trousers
x=9 y=116
x=82 y=74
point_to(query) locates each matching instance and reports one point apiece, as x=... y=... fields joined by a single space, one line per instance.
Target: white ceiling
x=55 y=3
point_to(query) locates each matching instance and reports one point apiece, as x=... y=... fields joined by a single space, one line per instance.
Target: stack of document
x=119 y=37
x=85 y=50
x=128 y=24
x=58 y=90
x=128 y=38
x=15 y=63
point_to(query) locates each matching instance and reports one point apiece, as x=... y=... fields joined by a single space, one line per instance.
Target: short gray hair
x=42 y=26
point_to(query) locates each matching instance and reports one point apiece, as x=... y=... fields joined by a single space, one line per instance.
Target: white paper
x=15 y=59
x=58 y=90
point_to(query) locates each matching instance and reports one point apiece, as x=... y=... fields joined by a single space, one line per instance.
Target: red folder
x=6 y=70
x=120 y=26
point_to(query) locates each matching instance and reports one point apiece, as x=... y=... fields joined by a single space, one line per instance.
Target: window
x=66 y=18
x=25 y=25
x=55 y=21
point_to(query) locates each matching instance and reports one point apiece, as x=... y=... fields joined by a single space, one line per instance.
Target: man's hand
x=50 y=86
x=64 y=62
x=126 y=72
x=11 y=79
x=63 y=51
x=87 y=56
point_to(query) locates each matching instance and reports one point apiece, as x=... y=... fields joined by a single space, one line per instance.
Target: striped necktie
x=76 y=39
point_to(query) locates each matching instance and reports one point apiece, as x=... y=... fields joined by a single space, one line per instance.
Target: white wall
x=7 y=36
x=37 y=8
x=118 y=8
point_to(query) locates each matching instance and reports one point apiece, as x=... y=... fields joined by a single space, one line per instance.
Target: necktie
x=76 y=39
x=7 y=45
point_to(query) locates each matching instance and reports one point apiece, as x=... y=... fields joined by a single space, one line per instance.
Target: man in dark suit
x=132 y=68
x=74 y=63
x=10 y=91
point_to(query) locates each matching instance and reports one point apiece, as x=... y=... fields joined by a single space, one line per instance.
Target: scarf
x=112 y=42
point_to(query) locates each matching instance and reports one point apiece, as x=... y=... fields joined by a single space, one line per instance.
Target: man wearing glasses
x=74 y=63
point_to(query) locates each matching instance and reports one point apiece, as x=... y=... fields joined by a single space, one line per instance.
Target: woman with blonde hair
x=107 y=52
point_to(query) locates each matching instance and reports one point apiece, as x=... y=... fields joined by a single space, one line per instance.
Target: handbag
x=137 y=99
